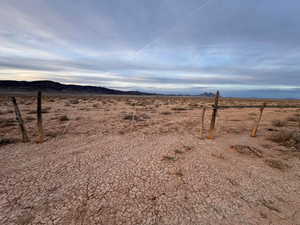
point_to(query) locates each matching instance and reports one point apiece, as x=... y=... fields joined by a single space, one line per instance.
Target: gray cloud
x=240 y=47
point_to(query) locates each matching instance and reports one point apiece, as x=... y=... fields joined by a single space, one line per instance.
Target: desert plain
x=141 y=160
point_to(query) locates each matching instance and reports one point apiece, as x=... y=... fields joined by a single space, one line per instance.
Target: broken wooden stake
x=202 y=121
x=20 y=120
x=39 y=118
x=256 y=125
x=211 y=133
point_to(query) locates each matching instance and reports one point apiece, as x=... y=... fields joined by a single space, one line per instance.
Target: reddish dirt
x=140 y=160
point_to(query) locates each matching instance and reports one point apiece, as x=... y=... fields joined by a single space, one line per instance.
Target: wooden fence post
x=20 y=121
x=202 y=121
x=39 y=118
x=213 y=118
x=255 y=128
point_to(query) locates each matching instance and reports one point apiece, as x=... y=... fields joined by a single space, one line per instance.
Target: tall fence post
x=256 y=125
x=39 y=118
x=202 y=121
x=214 y=116
x=20 y=120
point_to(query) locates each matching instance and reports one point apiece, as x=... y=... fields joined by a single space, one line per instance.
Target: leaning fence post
x=39 y=118
x=255 y=128
x=202 y=121
x=213 y=118
x=20 y=121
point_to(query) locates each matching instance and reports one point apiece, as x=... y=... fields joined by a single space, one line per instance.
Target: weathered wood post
x=202 y=121
x=20 y=120
x=39 y=118
x=256 y=125
x=214 y=116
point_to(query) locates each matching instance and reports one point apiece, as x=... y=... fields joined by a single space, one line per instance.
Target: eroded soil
x=140 y=160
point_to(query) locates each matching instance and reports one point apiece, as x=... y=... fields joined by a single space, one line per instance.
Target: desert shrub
x=294 y=118
x=4 y=112
x=279 y=123
x=193 y=105
x=74 y=101
x=277 y=164
x=287 y=138
x=219 y=156
x=140 y=117
x=96 y=105
x=247 y=150
x=168 y=158
x=29 y=118
x=179 y=173
x=177 y=151
x=64 y=118
x=165 y=113
x=7 y=123
x=281 y=137
x=179 y=109
x=52 y=134
x=6 y=141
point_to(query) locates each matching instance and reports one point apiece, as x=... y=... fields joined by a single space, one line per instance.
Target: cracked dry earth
x=101 y=168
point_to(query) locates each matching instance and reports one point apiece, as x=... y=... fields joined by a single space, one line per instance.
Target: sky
x=244 y=48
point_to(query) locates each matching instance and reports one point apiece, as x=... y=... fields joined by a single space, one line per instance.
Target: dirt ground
x=140 y=160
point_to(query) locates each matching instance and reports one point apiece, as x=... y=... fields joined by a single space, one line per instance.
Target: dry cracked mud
x=98 y=168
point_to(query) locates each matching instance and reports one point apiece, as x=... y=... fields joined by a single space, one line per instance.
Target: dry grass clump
x=6 y=141
x=179 y=173
x=179 y=109
x=252 y=114
x=96 y=105
x=277 y=164
x=168 y=158
x=165 y=113
x=279 y=123
x=294 y=118
x=51 y=100
x=64 y=118
x=74 y=101
x=129 y=117
x=288 y=138
x=140 y=117
x=177 y=151
x=52 y=134
x=193 y=105
x=25 y=218
x=187 y=148
x=4 y=112
x=219 y=156
x=7 y=123
x=270 y=205
x=247 y=150
x=29 y=118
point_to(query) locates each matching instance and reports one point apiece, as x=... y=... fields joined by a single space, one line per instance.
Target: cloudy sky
x=248 y=48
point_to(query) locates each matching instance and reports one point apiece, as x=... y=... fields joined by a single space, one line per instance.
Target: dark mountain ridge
x=58 y=88
x=52 y=87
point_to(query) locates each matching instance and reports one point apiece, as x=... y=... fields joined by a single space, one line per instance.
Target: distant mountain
x=207 y=94
x=47 y=86
x=58 y=88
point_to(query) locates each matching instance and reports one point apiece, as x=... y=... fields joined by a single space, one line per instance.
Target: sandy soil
x=125 y=160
